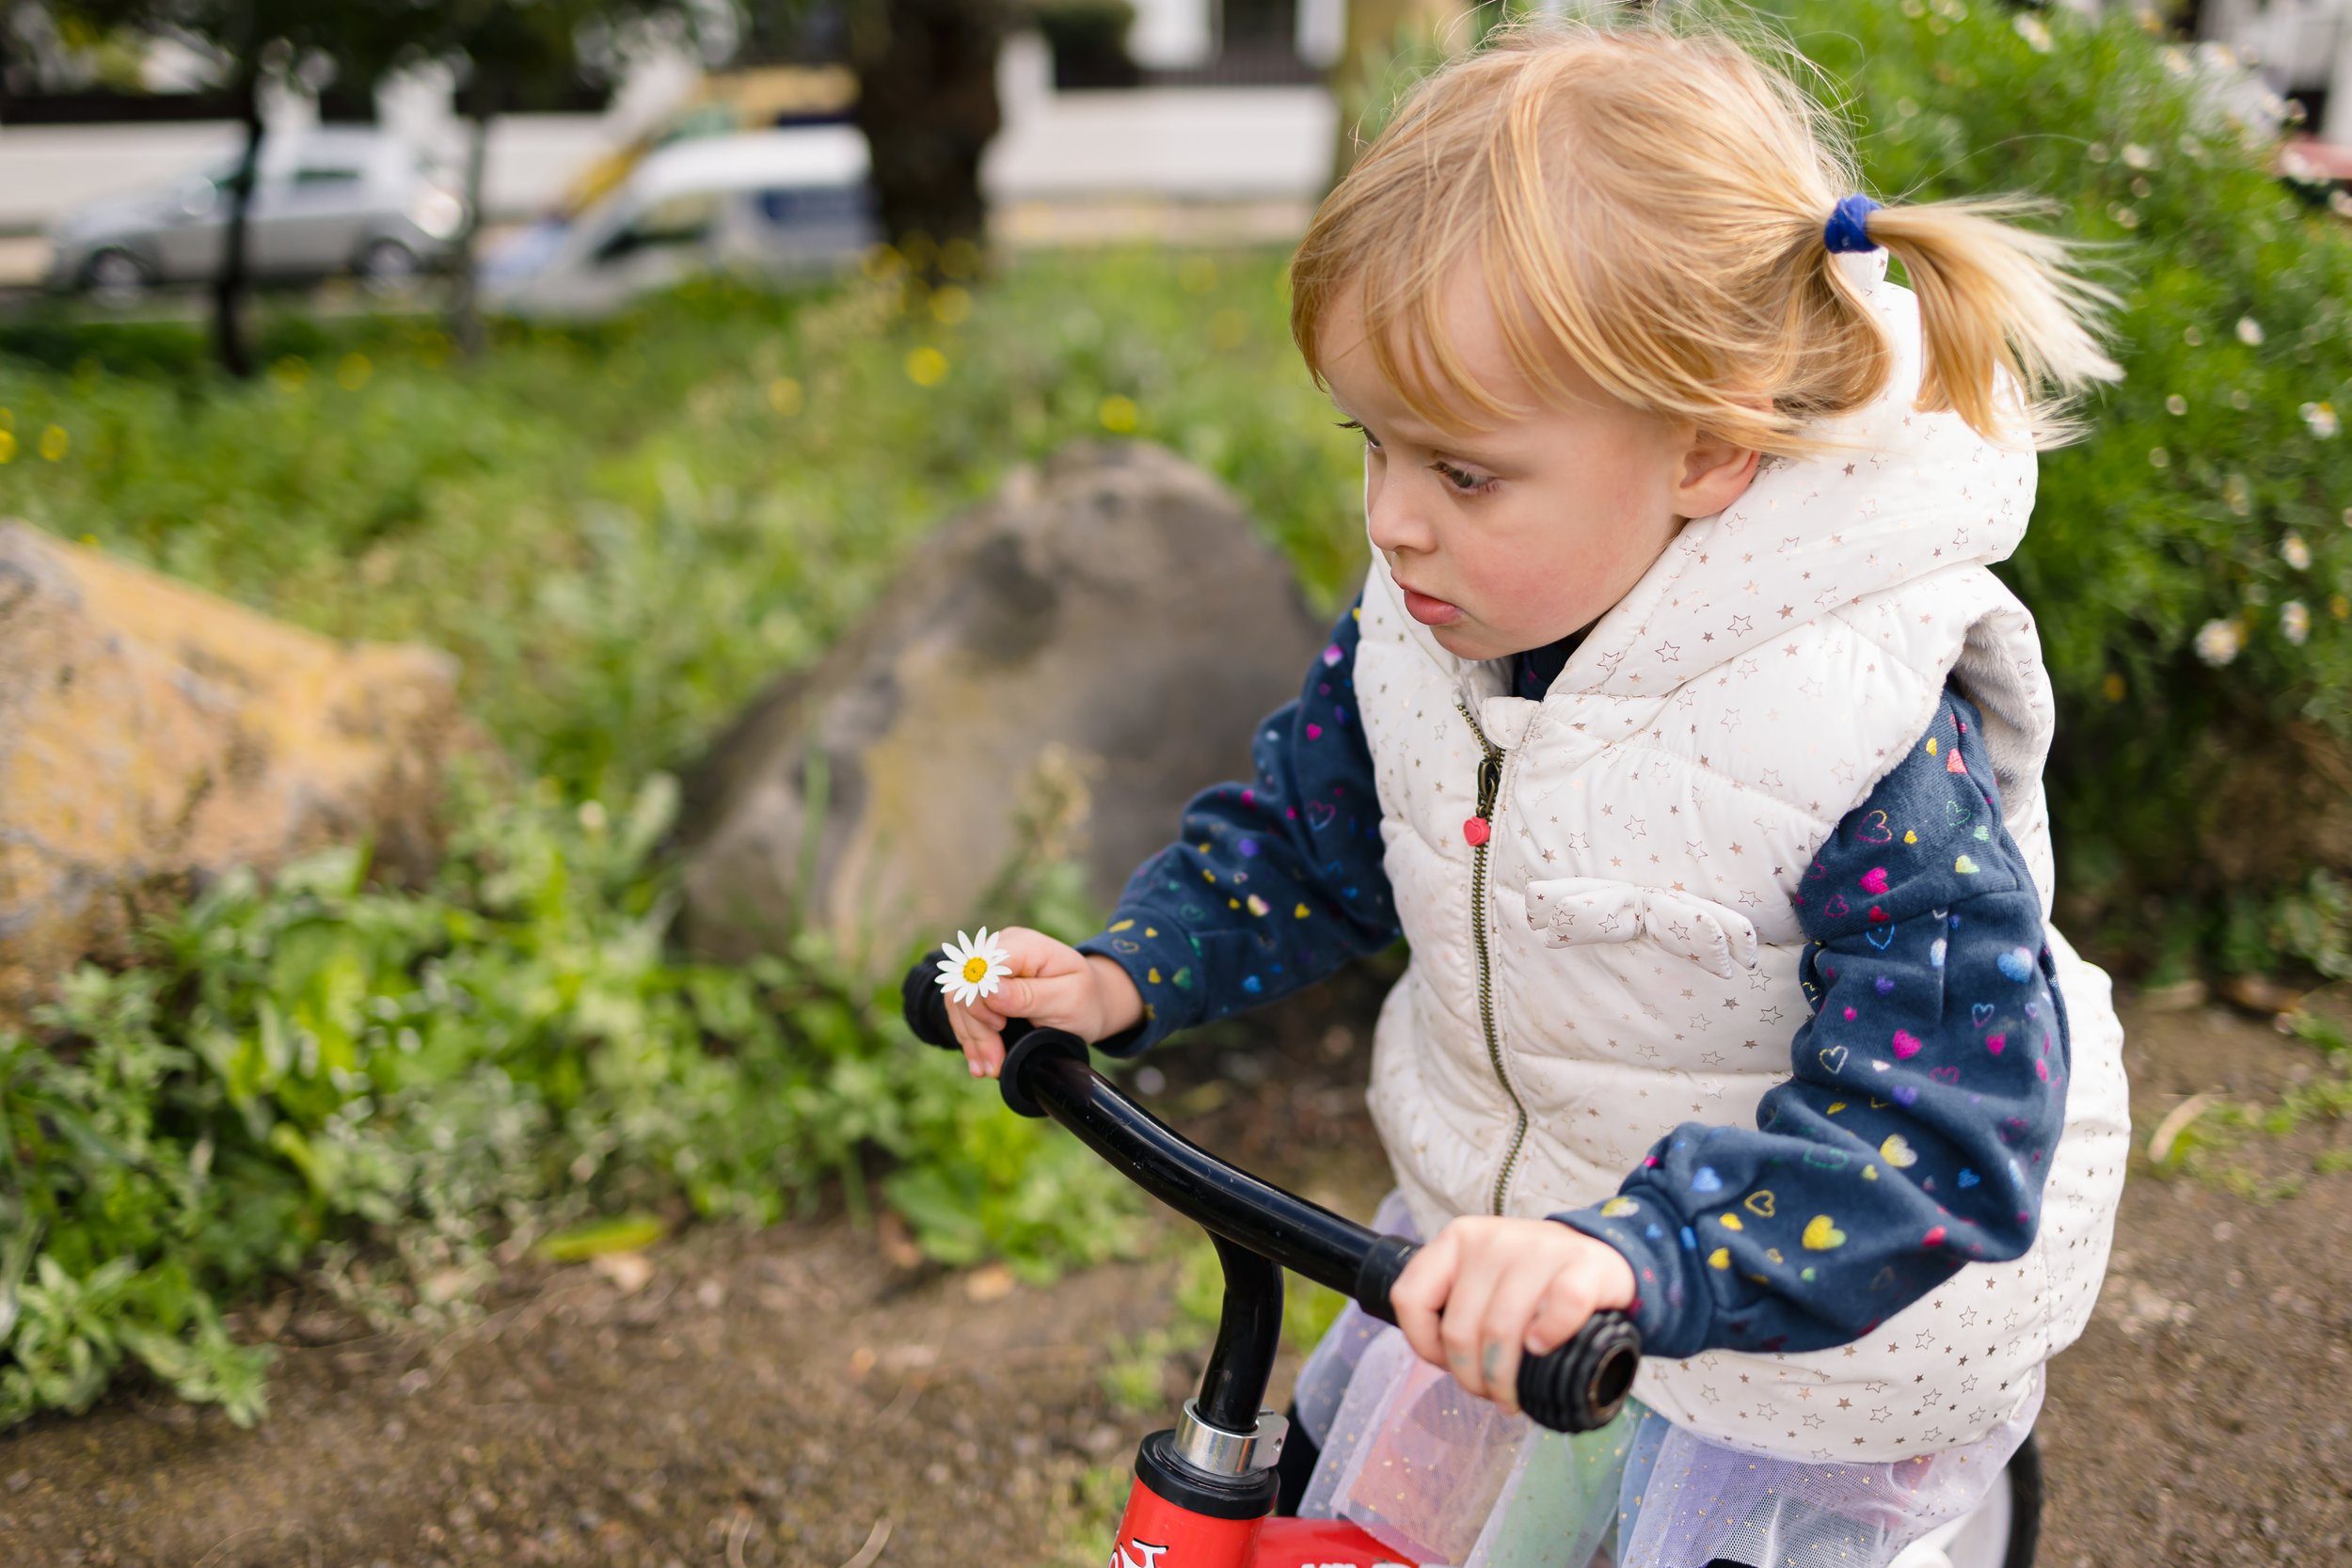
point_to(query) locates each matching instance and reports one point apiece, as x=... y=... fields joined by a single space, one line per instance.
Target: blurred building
x=2302 y=49
x=1215 y=124
x=1237 y=41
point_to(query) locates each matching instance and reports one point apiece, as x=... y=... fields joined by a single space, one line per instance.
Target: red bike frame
x=1156 y=1534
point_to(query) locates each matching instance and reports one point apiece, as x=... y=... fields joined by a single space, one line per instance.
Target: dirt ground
x=806 y=1396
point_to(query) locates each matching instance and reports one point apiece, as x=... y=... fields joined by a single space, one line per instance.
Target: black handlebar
x=1577 y=1388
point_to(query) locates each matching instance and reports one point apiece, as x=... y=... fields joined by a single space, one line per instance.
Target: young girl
x=1682 y=731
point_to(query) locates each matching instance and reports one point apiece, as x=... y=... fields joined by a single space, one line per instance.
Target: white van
x=773 y=204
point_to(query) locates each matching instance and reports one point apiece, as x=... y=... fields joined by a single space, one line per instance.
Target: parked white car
x=329 y=199
x=769 y=204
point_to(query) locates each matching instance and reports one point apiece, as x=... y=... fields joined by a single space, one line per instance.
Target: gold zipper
x=1479 y=830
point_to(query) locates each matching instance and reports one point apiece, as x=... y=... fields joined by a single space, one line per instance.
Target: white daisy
x=972 y=969
x=2218 y=641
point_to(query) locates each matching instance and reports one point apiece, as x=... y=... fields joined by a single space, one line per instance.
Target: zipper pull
x=1480 y=828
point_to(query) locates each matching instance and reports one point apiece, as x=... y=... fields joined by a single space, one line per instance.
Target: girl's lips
x=1429 y=611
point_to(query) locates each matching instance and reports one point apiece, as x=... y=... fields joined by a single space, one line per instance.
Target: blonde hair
x=1647 y=198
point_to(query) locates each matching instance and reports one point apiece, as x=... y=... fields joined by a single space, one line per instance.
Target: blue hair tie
x=1844 y=232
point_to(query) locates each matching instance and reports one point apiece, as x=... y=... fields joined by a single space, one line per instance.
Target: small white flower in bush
x=2321 y=417
x=2034 y=31
x=2249 y=331
x=2295 y=621
x=2136 y=156
x=2218 y=641
x=2176 y=405
x=2294 y=553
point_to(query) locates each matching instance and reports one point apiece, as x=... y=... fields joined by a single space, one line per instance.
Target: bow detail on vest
x=1572 y=911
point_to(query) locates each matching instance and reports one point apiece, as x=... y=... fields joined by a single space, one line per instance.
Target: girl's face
x=1513 y=538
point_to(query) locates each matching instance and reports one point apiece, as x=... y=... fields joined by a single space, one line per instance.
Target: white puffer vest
x=1621 y=956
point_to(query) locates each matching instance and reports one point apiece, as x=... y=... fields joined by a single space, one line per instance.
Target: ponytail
x=1998 y=298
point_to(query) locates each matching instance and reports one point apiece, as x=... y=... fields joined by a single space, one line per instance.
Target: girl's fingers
x=1052 y=1002
x=1419 y=1296
x=1560 y=1311
x=983 y=1048
x=1017 y=997
x=1468 y=1355
x=1504 y=1332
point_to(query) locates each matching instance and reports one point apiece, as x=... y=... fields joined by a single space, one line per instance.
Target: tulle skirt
x=1442 y=1477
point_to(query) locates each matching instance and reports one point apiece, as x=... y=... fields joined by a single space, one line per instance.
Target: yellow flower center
x=974 y=971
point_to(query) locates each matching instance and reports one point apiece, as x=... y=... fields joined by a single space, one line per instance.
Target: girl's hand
x=1487 y=1290
x=1054 y=985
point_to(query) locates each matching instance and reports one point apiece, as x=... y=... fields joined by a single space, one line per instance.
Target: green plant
x=2190 y=564
x=450 y=1075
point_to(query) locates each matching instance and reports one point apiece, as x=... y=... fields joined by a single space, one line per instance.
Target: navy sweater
x=1927 y=1088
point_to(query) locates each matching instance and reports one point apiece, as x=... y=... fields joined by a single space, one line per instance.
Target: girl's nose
x=1393 y=518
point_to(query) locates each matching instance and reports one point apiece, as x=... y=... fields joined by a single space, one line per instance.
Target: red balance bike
x=1205 y=1491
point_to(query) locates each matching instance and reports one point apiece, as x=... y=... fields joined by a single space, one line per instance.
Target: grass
x=623 y=532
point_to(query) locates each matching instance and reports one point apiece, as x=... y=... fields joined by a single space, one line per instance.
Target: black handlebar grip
x=924 y=1003
x=1582 y=1385
x=1029 y=1044
x=1379 y=1272
x=1577 y=1388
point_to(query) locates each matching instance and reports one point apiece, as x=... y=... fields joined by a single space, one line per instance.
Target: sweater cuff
x=1672 y=1304
x=1159 y=959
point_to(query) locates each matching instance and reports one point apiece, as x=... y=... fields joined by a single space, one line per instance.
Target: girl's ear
x=1710 y=474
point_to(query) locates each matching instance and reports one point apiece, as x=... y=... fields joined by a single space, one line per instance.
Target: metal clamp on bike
x=1230 y=1453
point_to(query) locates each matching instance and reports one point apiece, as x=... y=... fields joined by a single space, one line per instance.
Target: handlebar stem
x=1248 y=1330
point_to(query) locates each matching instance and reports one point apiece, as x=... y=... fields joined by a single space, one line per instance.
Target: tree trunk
x=229 y=284
x=465 y=311
x=927 y=102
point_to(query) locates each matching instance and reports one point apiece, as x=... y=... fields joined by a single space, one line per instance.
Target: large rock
x=1097 y=640
x=152 y=736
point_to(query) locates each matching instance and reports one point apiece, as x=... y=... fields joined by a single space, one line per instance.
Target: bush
x=2190 y=564
x=454 y=1075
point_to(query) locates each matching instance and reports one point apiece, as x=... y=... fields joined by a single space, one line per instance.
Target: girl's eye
x=1463 y=480
x=1351 y=424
